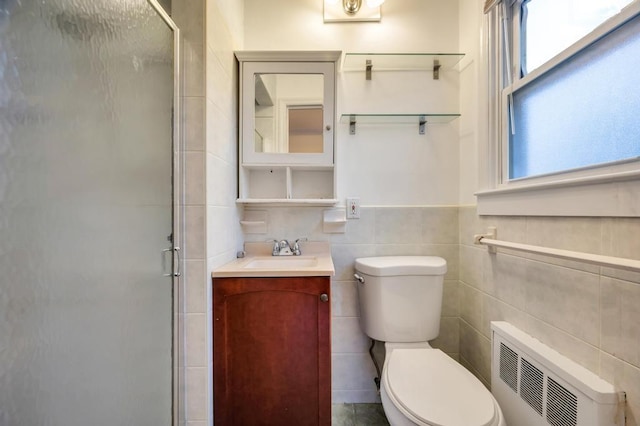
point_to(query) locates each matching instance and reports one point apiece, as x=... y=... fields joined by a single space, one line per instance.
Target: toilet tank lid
x=386 y=266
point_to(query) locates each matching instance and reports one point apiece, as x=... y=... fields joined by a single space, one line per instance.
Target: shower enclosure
x=88 y=216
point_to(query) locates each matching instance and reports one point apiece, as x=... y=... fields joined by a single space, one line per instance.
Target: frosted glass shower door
x=86 y=196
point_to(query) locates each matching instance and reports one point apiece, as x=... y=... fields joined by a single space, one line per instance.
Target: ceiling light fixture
x=351 y=10
x=351 y=7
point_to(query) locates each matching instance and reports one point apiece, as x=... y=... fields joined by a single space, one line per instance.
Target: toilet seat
x=437 y=391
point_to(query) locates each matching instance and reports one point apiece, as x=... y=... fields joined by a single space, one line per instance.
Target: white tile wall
x=448 y=340
x=195 y=176
x=352 y=372
x=504 y=277
x=212 y=231
x=196 y=346
x=195 y=286
x=380 y=231
x=193 y=51
x=450 y=304
x=189 y=16
x=195 y=236
x=620 y=319
x=223 y=235
x=344 y=299
x=197 y=393
x=193 y=108
x=346 y=336
x=626 y=377
x=590 y=314
x=550 y=288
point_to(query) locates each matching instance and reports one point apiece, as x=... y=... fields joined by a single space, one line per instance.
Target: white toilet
x=400 y=303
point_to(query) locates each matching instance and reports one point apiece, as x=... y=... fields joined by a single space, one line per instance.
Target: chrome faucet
x=285 y=248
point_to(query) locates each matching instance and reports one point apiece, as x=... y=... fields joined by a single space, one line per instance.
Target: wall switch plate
x=353 y=208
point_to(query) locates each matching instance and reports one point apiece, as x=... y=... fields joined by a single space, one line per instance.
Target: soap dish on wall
x=254 y=222
x=334 y=221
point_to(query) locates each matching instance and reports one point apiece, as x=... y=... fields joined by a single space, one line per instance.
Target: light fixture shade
x=340 y=11
x=374 y=3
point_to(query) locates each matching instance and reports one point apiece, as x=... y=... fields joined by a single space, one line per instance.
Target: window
x=564 y=112
x=582 y=112
x=550 y=26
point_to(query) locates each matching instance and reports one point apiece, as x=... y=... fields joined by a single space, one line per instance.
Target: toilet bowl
x=400 y=303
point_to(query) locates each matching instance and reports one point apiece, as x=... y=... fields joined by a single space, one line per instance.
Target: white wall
x=407 y=25
x=390 y=167
x=472 y=105
x=381 y=165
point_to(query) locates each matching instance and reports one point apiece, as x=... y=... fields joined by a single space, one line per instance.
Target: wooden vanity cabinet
x=272 y=351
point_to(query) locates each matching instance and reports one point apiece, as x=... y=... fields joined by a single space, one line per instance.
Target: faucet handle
x=276 y=246
x=296 y=246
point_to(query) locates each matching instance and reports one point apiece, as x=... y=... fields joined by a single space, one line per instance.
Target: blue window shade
x=583 y=112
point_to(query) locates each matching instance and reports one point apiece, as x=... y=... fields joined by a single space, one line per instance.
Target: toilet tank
x=401 y=297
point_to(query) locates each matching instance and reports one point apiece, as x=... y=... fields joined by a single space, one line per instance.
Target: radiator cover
x=536 y=386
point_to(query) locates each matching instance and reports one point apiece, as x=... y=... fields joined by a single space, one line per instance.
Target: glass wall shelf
x=420 y=119
x=400 y=62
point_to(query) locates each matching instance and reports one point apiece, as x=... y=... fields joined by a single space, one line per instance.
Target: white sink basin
x=282 y=262
x=258 y=262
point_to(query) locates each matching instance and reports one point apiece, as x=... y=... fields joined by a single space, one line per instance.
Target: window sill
x=614 y=195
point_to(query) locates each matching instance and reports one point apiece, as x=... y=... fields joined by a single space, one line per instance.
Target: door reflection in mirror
x=305 y=128
x=289 y=113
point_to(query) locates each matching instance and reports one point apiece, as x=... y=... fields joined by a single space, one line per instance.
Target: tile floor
x=358 y=415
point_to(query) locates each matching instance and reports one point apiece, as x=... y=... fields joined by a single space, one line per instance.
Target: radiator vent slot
x=531 y=385
x=509 y=367
x=562 y=405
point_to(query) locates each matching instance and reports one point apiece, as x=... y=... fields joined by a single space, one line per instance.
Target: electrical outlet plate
x=353 y=208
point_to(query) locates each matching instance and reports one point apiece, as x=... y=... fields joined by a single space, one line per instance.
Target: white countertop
x=314 y=261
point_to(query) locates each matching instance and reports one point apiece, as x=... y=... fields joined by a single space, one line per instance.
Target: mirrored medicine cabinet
x=287 y=118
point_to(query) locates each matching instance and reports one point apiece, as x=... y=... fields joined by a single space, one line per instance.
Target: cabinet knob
x=328 y=127
x=324 y=297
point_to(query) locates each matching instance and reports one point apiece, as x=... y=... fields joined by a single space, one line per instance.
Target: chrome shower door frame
x=178 y=206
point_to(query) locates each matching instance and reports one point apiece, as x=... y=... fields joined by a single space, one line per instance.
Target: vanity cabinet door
x=271 y=351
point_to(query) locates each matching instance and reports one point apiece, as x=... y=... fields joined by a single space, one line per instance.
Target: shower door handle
x=177 y=273
x=164 y=261
x=171 y=250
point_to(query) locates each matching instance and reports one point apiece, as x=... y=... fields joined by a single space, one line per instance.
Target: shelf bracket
x=352 y=125
x=421 y=125
x=368 y=69
x=436 y=69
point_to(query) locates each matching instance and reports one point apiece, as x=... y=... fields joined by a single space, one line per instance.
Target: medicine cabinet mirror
x=287 y=112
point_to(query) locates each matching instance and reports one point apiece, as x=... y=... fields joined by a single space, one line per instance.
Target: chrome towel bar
x=489 y=239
